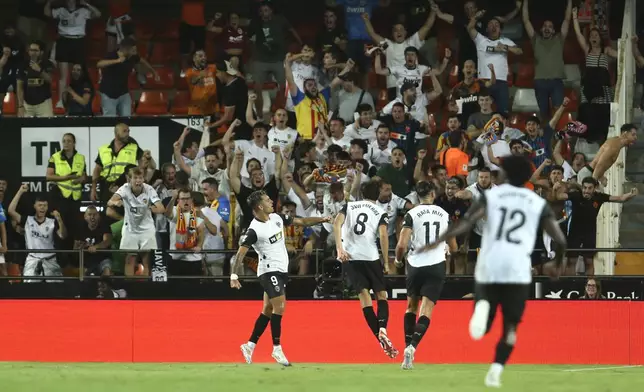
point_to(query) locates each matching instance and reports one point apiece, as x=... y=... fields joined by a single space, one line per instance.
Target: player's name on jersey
x=432 y=212
x=366 y=204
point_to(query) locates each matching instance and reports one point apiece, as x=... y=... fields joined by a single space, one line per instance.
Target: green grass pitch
x=309 y=378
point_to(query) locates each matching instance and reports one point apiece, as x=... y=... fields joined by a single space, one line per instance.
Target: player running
x=422 y=225
x=356 y=229
x=503 y=269
x=266 y=235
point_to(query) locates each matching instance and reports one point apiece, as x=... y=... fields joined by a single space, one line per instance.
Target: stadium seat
x=525 y=101
x=152 y=103
x=518 y=120
x=510 y=77
x=95 y=76
x=573 y=75
x=572 y=52
x=525 y=75
x=54 y=101
x=382 y=99
x=167 y=29
x=9 y=104
x=574 y=100
x=165 y=82
x=453 y=76
x=95 y=50
x=180 y=103
x=164 y=52
x=182 y=83
x=436 y=105
x=96 y=104
x=96 y=30
x=376 y=81
x=144 y=29
x=431 y=123
x=565 y=119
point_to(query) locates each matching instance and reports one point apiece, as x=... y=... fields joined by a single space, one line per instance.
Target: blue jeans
x=548 y=90
x=501 y=94
x=119 y=107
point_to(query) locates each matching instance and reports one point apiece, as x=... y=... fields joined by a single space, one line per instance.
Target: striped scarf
x=186 y=232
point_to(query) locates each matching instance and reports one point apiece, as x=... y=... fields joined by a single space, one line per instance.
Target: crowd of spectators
x=446 y=115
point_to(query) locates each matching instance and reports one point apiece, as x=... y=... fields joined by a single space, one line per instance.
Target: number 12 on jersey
x=516 y=220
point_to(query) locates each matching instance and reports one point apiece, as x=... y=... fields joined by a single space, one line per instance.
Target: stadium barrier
x=564 y=332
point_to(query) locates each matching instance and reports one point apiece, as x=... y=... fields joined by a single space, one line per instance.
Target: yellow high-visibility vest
x=114 y=166
x=62 y=168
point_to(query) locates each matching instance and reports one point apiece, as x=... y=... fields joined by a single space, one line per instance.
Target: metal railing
x=318 y=254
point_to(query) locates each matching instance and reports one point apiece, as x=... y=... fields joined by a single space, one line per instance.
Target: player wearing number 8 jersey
x=356 y=229
x=422 y=225
x=504 y=266
x=266 y=235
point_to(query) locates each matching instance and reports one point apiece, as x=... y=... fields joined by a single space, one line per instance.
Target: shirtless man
x=608 y=153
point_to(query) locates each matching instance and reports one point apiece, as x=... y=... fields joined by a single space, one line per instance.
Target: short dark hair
x=198 y=199
x=398 y=104
x=503 y=115
x=628 y=127
x=455 y=138
x=364 y=107
x=166 y=166
x=334 y=149
x=211 y=182
x=365 y=165
x=340 y=119
x=254 y=199
x=343 y=156
x=371 y=190
x=41 y=45
x=485 y=169
x=398 y=148
x=304 y=148
x=590 y=180
x=556 y=168
x=579 y=153
x=184 y=190
x=182 y=178
x=485 y=92
x=336 y=187
x=454 y=115
x=383 y=126
x=288 y=203
x=517 y=169
x=533 y=119
x=41 y=198
x=127 y=42
x=360 y=143
x=251 y=160
x=436 y=168
x=424 y=188
x=261 y=125
x=514 y=142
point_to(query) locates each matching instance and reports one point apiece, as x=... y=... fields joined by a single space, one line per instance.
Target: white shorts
x=35 y=266
x=135 y=241
x=2 y=259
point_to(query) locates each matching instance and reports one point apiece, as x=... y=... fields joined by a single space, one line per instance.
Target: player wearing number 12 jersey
x=422 y=225
x=356 y=229
x=266 y=235
x=504 y=267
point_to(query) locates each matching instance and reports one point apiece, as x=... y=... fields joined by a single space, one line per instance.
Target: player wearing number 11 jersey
x=504 y=266
x=422 y=225
x=356 y=229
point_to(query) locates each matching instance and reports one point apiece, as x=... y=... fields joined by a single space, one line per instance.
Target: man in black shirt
x=583 y=221
x=34 y=85
x=116 y=69
x=95 y=235
x=333 y=38
x=11 y=60
x=456 y=209
x=257 y=182
x=234 y=100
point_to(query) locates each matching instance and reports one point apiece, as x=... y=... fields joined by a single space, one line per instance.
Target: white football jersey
x=40 y=235
x=267 y=238
x=427 y=222
x=138 y=217
x=360 y=229
x=509 y=235
x=282 y=138
x=405 y=75
x=393 y=208
x=71 y=23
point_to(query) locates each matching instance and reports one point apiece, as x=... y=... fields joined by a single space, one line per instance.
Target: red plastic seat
x=510 y=77
x=95 y=76
x=166 y=52
x=180 y=103
x=95 y=50
x=96 y=30
x=376 y=81
x=573 y=105
x=565 y=119
x=525 y=75
x=167 y=29
x=9 y=105
x=152 y=103
x=144 y=29
x=382 y=100
x=166 y=79
x=96 y=104
x=572 y=52
x=453 y=76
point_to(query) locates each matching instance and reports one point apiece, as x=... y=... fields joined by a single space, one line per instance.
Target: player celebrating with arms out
x=422 y=224
x=139 y=233
x=504 y=268
x=266 y=235
x=356 y=229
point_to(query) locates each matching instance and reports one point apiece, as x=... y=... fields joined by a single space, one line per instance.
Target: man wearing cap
x=234 y=100
x=493 y=49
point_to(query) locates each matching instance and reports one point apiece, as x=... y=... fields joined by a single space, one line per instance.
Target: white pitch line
x=602 y=368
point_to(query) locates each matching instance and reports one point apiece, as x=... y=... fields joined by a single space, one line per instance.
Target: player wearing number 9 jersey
x=504 y=266
x=266 y=235
x=356 y=229
x=422 y=225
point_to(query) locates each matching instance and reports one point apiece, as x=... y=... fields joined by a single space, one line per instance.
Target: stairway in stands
x=632 y=223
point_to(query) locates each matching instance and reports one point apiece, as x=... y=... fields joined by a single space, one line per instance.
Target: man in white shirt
x=281 y=134
x=409 y=72
x=364 y=126
x=303 y=70
x=252 y=149
x=187 y=232
x=139 y=233
x=494 y=50
x=379 y=153
x=395 y=52
x=336 y=126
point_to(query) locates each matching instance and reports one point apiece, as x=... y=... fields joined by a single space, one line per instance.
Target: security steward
x=66 y=169
x=112 y=161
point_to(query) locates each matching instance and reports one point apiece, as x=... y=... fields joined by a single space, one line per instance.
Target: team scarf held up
x=186 y=232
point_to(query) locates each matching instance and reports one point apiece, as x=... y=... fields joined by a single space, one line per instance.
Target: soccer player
x=356 y=229
x=139 y=233
x=503 y=270
x=422 y=225
x=266 y=235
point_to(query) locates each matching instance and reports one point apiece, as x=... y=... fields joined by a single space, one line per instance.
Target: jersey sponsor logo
x=276 y=237
x=414 y=81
